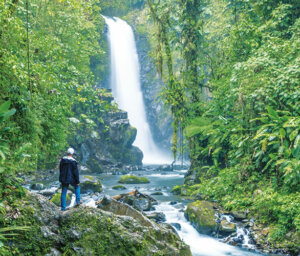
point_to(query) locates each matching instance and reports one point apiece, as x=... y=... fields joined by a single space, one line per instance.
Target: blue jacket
x=68 y=171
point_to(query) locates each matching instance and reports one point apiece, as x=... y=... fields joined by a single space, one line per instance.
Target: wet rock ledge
x=86 y=231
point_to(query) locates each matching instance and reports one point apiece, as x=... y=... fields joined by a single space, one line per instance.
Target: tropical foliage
x=236 y=65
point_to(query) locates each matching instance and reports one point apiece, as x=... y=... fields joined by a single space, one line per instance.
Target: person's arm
x=60 y=171
x=76 y=173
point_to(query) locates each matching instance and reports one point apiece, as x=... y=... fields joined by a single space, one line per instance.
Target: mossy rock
x=90 y=184
x=86 y=231
x=131 y=179
x=182 y=190
x=119 y=187
x=130 y=136
x=176 y=190
x=56 y=199
x=202 y=216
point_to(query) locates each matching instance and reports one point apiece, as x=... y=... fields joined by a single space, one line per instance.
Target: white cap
x=70 y=151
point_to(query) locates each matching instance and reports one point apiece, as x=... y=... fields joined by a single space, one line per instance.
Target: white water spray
x=126 y=88
x=201 y=245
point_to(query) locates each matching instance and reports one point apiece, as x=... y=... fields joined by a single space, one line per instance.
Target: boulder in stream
x=37 y=186
x=119 y=187
x=226 y=228
x=202 y=216
x=158 y=193
x=138 y=200
x=132 y=179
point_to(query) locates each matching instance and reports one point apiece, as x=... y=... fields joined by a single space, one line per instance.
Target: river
x=201 y=245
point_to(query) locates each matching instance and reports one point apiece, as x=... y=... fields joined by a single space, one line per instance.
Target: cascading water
x=126 y=88
x=201 y=245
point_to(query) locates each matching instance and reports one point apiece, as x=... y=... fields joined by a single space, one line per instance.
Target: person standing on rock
x=69 y=174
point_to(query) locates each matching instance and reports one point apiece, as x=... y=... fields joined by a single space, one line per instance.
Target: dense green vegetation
x=52 y=56
x=233 y=85
x=231 y=70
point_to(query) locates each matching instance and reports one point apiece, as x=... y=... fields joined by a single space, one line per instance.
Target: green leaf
x=282 y=132
x=8 y=113
x=272 y=113
x=297 y=142
x=4 y=106
x=293 y=135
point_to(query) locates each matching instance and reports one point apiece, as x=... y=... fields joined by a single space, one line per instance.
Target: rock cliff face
x=158 y=116
x=108 y=147
x=87 y=231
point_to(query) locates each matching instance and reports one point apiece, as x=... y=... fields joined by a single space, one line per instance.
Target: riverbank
x=83 y=231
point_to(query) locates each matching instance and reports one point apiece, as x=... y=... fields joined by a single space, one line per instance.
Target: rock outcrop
x=141 y=202
x=108 y=147
x=87 y=231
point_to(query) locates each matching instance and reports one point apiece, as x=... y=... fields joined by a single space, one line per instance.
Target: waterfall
x=126 y=88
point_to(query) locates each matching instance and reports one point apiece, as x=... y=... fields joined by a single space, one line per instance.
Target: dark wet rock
x=239 y=239
x=158 y=217
x=158 y=193
x=176 y=225
x=90 y=184
x=173 y=203
x=37 y=186
x=165 y=168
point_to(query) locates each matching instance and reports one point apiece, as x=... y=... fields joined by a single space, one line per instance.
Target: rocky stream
x=203 y=225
